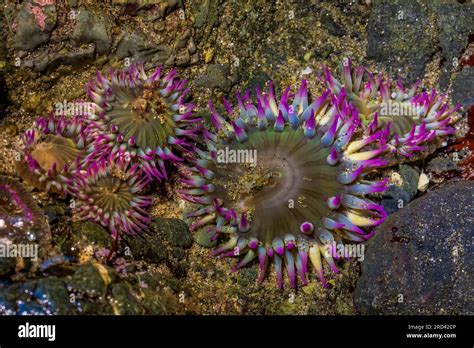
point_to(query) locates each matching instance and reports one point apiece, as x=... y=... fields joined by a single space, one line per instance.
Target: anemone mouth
x=111 y=195
x=142 y=114
x=20 y=217
x=52 y=151
x=275 y=175
x=302 y=192
x=55 y=150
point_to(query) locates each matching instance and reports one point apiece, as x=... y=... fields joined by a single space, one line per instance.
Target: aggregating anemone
x=141 y=118
x=51 y=152
x=304 y=194
x=110 y=194
x=415 y=119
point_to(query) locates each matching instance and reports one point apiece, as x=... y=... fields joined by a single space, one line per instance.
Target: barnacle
x=141 y=118
x=284 y=180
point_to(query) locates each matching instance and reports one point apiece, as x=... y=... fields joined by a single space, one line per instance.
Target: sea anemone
x=109 y=194
x=51 y=152
x=21 y=219
x=142 y=118
x=415 y=121
x=284 y=180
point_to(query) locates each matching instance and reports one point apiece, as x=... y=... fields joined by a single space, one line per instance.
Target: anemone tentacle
x=299 y=188
x=141 y=118
x=413 y=120
x=51 y=151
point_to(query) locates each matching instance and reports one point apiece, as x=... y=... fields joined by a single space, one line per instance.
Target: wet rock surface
x=420 y=259
x=399 y=36
x=463 y=86
x=454 y=26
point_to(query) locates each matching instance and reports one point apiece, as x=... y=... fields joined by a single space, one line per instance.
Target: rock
x=136 y=46
x=76 y=58
x=34 y=25
x=440 y=165
x=88 y=232
x=147 y=246
x=216 y=76
x=125 y=303
x=463 y=85
x=332 y=27
x=420 y=259
x=398 y=38
x=394 y=199
x=207 y=14
x=91 y=279
x=93 y=28
x=175 y=231
x=259 y=79
x=410 y=178
x=164 y=239
x=51 y=292
x=454 y=27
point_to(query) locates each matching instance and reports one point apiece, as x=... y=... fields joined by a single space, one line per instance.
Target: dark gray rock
x=175 y=231
x=75 y=58
x=31 y=30
x=395 y=198
x=163 y=240
x=455 y=24
x=440 y=165
x=216 y=76
x=147 y=246
x=136 y=46
x=93 y=28
x=332 y=27
x=398 y=37
x=410 y=178
x=420 y=259
x=463 y=87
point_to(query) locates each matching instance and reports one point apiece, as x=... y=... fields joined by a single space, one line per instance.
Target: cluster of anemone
x=21 y=219
x=136 y=126
x=290 y=182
